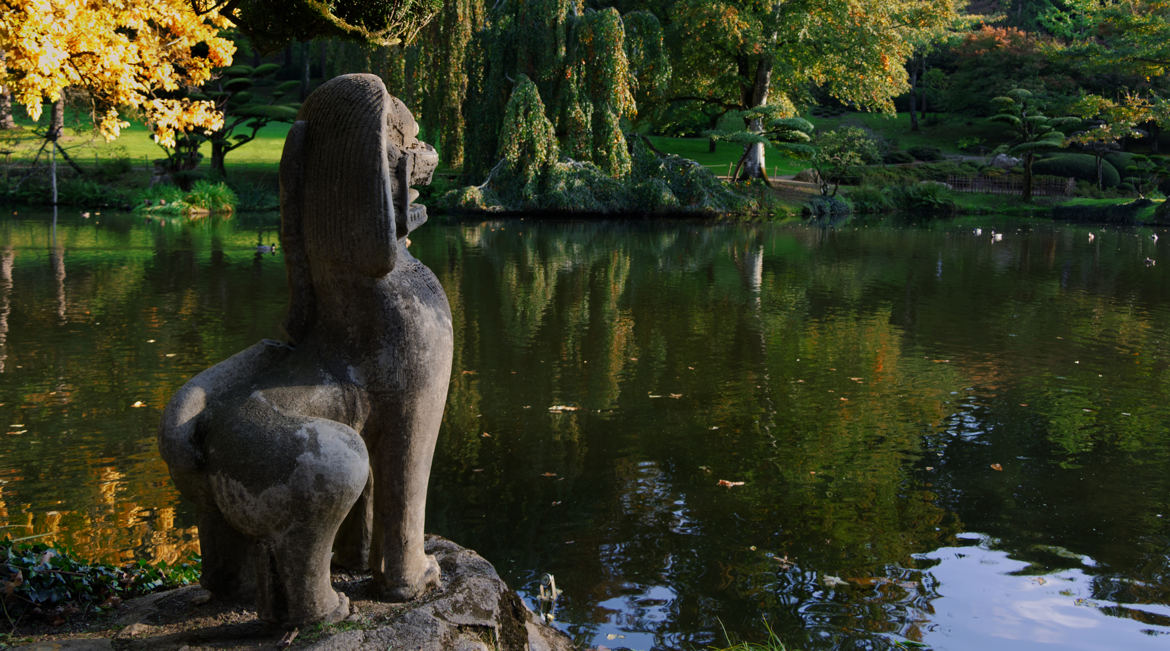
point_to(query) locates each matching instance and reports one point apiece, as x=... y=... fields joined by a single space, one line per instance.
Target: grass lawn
x=726 y=155
x=943 y=131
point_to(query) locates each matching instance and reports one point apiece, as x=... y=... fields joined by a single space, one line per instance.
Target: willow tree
x=579 y=66
x=748 y=54
x=440 y=70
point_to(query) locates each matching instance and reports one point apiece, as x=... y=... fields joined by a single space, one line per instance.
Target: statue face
x=412 y=162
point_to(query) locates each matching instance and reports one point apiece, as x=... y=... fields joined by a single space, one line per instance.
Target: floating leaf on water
x=729 y=484
x=138 y=403
x=831 y=581
x=997 y=467
x=556 y=409
x=676 y=396
x=548 y=474
x=486 y=435
x=653 y=396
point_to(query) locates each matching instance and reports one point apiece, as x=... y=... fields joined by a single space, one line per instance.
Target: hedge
x=1078 y=166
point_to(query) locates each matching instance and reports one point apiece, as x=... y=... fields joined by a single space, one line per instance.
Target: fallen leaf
x=138 y=403
x=652 y=396
x=486 y=435
x=548 y=474
x=997 y=467
x=470 y=372
x=676 y=396
x=856 y=379
x=556 y=409
x=729 y=484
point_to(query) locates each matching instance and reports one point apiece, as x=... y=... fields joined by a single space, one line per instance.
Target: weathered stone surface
x=285 y=444
x=474 y=609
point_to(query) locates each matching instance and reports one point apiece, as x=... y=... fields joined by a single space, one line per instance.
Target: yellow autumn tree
x=120 y=53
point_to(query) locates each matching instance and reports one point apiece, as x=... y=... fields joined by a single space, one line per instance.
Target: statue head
x=345 y=177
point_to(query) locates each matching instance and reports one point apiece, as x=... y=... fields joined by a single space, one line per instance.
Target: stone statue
x=283 y=445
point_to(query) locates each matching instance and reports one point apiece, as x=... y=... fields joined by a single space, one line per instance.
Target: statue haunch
x=319 y=449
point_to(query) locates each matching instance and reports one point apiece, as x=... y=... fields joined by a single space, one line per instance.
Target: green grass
x=726 y=155
x=944 y=131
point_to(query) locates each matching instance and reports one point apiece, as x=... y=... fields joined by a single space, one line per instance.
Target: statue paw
x=339 y=613
x=431 y=577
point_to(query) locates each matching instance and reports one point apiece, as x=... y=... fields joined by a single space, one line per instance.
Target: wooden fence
x=1041 y=186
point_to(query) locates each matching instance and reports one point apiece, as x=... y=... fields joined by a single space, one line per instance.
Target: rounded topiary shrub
x=1078 y=166
x=926 y=154
x=1119 y=159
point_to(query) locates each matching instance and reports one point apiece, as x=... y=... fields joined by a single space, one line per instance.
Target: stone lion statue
x=318 y=450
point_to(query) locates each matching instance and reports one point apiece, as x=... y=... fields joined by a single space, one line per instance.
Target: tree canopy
x=272 y=23
x=125 y=54
x=742 y=55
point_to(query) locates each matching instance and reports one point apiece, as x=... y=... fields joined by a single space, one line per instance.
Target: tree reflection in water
x=878 y=391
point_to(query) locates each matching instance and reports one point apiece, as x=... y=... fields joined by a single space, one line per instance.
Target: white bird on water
x=1092 y=237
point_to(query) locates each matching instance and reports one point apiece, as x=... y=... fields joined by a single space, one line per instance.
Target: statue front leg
x=402 y=468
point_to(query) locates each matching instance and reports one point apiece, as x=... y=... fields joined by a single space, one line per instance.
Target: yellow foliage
x=121 y=53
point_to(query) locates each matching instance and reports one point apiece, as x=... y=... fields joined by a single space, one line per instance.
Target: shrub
x=210 y=197
x=830 y=208
x=924 y=199
x=1119 y=159
x=871 y=200
x=898 y=157
x=44 y=581
x=926 y=154
x=1078 y=166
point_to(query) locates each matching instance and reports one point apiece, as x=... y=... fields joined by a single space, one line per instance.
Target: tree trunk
x=1100 y=172
x=305 y=79
x=323 y=57
x=57 y=121
x=6 y=121
x=753 y=162
x=914 y=94
x=1028 y=158
x=922 y=82
x=218 y=154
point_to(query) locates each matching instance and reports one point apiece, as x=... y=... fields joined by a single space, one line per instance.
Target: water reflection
x=691 y=427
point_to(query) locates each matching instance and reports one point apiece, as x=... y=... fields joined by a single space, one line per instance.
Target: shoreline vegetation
x=915 y=183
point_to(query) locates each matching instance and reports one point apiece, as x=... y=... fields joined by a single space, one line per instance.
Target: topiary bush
x=1078 y=166
x=925 y=154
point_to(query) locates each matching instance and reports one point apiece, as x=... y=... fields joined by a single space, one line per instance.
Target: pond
x=863 y=437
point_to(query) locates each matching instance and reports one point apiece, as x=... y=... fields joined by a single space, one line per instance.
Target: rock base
x=473 y=610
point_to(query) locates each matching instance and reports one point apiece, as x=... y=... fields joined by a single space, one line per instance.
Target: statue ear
x=292 y=233
x=292 y=171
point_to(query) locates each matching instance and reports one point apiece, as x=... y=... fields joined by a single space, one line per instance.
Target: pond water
x=941 y=438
